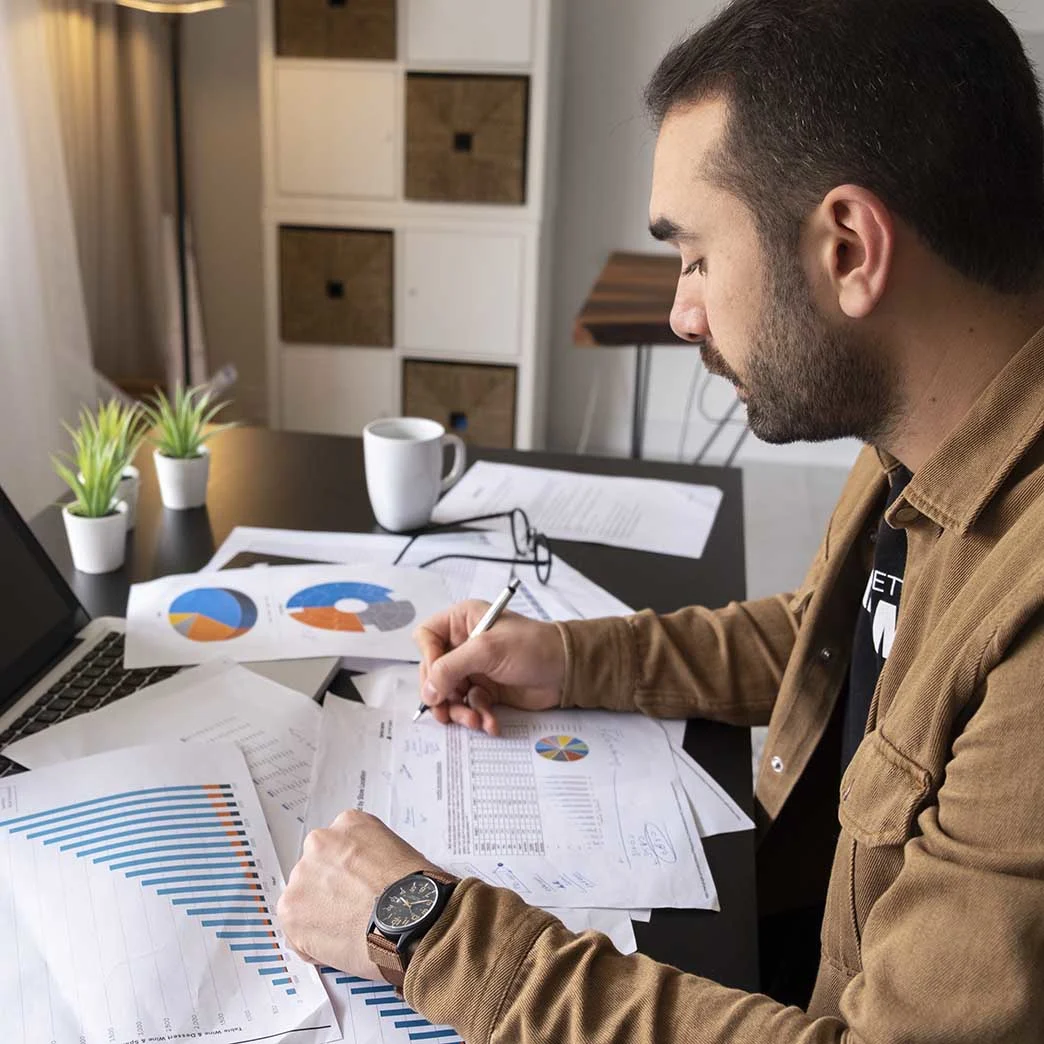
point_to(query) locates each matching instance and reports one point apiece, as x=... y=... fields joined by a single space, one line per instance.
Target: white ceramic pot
x=98 y=545
x=127 y=491
x=183 y=481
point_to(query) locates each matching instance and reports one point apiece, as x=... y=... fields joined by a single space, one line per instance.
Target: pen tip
x=515 y=584
x=417 y=713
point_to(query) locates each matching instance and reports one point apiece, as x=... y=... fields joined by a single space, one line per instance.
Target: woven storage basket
x=335 y=29
x=335 y=286
x=466 y=138
x=476 y=402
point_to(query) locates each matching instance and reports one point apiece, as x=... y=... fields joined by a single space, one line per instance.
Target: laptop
x=56 y=662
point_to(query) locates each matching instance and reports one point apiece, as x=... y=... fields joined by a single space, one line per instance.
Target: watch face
x=406 y=903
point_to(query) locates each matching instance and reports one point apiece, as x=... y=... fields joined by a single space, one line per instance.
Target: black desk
x=264 y=478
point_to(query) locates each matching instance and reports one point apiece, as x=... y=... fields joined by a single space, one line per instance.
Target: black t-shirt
x=876 y=625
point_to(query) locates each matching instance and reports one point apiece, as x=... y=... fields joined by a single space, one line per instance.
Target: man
x=856 y=190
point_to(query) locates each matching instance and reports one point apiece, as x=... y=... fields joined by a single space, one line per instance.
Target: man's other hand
x=518 y=662
x=329 y=898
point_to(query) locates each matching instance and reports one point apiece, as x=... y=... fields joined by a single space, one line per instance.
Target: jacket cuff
x=601 y=664
x=455 y=978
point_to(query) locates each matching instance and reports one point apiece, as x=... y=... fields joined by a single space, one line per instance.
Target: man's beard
x=807 y=381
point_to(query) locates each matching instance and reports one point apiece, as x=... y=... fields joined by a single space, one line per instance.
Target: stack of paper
x=595 y=816
x=170 y=859
x=137 y=899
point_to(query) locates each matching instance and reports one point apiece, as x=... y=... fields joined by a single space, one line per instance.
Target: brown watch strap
x=386 y=956
x=383 y=951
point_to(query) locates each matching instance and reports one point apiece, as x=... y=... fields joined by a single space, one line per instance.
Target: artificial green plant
x=183 y=424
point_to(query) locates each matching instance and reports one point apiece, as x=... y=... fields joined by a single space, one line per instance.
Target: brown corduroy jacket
x=934 y=927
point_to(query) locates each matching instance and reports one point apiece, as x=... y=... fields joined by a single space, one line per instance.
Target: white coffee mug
x=404 y=469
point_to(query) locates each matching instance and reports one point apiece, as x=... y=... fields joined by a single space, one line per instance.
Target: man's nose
x=689 y=317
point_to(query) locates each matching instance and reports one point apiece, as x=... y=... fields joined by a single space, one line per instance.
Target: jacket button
x=777 y=764
x=826 y=655
x=907 y=514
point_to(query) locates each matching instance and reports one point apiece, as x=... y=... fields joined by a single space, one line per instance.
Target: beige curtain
x=111 y=76
x=45 y=358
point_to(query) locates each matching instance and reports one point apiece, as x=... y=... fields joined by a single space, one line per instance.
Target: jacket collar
x=957 y=482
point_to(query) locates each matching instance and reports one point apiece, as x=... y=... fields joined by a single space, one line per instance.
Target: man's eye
x=696 y=268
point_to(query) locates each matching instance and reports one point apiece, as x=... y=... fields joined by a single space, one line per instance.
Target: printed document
x=569 y=595
x=138 y=891
x=280 y=613
x=275 y=727
x=668 y=518
x=568 y=808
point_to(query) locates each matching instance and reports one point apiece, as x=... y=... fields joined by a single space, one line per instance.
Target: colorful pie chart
x=562 y=748
x=318 y=607
x=212 y=614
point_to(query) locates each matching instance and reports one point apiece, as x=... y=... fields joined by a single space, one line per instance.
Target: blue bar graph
x=211 y=911
x=193 y=788
x=135 y=838
x=243 y=875
x=195 y=889
x=186 y=843
x=384 y=1002
x=165 y=853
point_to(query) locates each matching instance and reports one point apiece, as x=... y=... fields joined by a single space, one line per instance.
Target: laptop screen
x=39 y=614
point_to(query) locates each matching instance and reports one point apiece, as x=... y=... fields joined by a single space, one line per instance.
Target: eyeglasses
x=531 y=548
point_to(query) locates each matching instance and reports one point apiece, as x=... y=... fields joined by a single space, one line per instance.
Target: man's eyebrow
x=666 y=231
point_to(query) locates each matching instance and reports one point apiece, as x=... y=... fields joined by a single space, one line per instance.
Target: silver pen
x=489 y=618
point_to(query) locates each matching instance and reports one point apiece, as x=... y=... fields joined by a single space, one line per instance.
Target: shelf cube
x=466 y=138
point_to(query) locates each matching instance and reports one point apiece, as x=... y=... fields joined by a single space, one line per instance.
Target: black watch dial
x=406 y=903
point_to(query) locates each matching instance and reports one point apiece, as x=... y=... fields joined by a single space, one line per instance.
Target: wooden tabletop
x=630 y=303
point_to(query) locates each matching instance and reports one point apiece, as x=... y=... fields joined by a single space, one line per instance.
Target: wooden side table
x=630 y=306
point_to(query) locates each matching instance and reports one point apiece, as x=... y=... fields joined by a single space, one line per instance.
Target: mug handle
x=459 y=461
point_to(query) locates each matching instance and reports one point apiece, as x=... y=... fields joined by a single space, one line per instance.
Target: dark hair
x=930 y=104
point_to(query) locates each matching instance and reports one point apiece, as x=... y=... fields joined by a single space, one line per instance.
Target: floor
x=786 y=509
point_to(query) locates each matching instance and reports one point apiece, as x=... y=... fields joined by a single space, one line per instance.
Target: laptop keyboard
x=99 y=678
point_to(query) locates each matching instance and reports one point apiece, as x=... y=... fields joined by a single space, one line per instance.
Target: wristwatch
x=401 y=917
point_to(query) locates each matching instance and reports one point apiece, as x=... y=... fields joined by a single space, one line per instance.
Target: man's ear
x=853 y=234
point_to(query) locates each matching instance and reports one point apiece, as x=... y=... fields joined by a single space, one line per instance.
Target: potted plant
x=125 y=426
x=182 y=427
x=95 y=520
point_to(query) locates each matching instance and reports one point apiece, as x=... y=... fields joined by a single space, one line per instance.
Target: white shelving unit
x=470 y=280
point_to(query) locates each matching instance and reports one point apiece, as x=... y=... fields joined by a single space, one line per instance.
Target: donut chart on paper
x=318 y=607
x=562 y=748
x=212 y=614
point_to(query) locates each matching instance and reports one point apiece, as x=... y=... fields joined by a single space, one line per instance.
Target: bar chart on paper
x=146 y=912
x=373 y=1013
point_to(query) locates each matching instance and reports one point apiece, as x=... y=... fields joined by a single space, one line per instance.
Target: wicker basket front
x=476 y=402
x=466 y=138
x=336 y=29
x=335 y=286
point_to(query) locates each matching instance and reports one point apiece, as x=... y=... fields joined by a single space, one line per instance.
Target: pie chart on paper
x=212 y=614
x=562 y=748
x=350 y=606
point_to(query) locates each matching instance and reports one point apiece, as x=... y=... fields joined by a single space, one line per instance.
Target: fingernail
x=429 y=693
